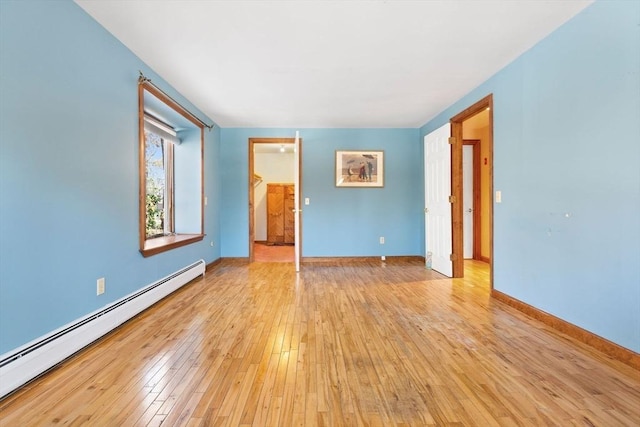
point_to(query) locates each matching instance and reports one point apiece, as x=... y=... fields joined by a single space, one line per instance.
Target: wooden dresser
x=280 y=218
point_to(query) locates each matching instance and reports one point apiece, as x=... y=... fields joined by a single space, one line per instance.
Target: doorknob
x=426 y=210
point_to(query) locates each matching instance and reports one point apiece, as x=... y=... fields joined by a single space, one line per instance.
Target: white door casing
x=437 y=186
x=467 y=200
x=296 y=186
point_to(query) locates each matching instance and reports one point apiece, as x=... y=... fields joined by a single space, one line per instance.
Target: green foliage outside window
x=155 y=215
x=155 y=185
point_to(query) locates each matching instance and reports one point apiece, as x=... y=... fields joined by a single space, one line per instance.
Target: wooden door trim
x=252 y=209
x=477 y=212
x=456 y=183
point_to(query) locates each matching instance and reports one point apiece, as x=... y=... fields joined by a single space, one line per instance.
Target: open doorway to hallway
x=472 y=218
x=475 y=187
x=271 y=199
x=476 y=197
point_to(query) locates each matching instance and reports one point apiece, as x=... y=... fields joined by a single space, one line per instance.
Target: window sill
x=166 y=243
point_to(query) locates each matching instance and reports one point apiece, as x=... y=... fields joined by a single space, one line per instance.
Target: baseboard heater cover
x=25 y=363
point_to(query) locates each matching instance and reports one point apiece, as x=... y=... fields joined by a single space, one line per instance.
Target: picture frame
x=361 y=168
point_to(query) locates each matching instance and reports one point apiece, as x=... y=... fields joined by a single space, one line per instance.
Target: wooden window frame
x=156 y=245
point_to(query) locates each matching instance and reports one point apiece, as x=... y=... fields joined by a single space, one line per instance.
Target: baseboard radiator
x=21 y=365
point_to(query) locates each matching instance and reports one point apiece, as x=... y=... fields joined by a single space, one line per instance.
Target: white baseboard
x=21 y=365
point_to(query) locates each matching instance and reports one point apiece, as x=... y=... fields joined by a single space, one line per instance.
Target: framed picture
x=359 y=168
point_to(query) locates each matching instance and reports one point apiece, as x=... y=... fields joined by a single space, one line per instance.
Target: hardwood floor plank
x=344 y=344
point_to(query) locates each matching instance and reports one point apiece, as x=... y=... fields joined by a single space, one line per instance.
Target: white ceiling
x=328 y=63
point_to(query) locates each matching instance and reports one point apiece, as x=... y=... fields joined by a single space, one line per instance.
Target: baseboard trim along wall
x=31 y=360
x=213 y=264
x=603 y=345
x=368 y=259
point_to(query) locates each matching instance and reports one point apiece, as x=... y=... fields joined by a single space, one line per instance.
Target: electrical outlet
x=383 y=258
x=100 y=286
x=382 y=240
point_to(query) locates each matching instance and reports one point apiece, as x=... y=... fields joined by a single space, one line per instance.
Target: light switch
x=306 y=201
x=498 y=196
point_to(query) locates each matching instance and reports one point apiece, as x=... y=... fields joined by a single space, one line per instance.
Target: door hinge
x=453 y=257
x=452 y=199
x=452 y=140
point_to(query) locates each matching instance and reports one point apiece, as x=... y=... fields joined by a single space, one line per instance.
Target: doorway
x=476 y=178
x=276 y=158
x=474 y=124
x=472 y=198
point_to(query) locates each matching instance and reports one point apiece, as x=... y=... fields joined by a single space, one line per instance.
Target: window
x=171 y=173
x=159 y=141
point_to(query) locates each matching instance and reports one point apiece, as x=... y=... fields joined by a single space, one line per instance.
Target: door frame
x=456 y=183
x=252 y=209
x=477 y=212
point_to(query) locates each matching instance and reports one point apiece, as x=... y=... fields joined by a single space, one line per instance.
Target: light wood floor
x=347 y=344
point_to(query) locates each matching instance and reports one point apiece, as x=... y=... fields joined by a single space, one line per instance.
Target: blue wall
x=69 y=171
x=566 y=136
x=338 y=221
x=566 y=158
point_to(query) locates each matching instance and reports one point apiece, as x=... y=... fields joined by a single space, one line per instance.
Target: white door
x=437 y=187
x=467 y=200
x=296 y=198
